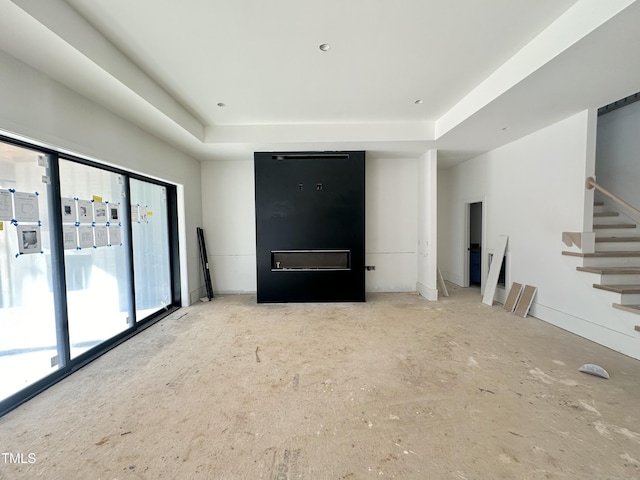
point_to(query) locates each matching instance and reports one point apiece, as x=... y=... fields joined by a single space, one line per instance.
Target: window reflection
x=150 y=247
x=28 y=345
x=95 y=267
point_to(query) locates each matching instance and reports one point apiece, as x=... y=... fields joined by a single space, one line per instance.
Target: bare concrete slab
x=397 y=387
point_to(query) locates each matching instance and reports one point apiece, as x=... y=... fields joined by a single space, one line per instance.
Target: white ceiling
x=478 y=67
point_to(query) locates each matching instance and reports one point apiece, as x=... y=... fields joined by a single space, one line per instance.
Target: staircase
x=616 y=258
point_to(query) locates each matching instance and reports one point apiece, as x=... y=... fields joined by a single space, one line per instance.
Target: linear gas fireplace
x=309 y=226
x=310 y=260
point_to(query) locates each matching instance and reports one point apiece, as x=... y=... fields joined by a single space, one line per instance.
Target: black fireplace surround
x=310 y=226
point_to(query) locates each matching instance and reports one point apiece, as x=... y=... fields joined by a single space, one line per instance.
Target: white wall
x=391 y=187
x=228 y=218
x=534 y=190
x=618 y=152
x=36 y=107
x=391 y=216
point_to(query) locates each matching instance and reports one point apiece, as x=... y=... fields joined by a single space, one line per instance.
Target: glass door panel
x=151 y=253
x=28 y=343
x=95 y=257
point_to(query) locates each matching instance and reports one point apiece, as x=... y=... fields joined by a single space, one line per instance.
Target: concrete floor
x=397 y=387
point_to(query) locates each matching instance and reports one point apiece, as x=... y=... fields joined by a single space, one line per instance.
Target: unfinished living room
x=342 y=241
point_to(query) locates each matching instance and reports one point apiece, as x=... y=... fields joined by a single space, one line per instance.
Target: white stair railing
x=591 y=184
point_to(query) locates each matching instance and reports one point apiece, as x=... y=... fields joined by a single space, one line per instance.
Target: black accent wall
x=310 y=226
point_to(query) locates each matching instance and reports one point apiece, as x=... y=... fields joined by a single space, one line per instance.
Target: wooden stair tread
x=611 y=270
x=618 y=288
x=613 y=225
x=606 y=214
x=617 y=239
x=602 y=254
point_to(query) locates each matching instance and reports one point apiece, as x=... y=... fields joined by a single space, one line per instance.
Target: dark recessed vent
x=309 y=155
x=619 y=104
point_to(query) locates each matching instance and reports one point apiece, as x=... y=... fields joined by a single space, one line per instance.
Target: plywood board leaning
x=443 y=287
x=526 y=299
x=513 y=297
x=494 y=270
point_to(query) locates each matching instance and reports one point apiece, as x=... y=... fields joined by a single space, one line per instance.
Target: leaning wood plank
x=526 y=299
x=494 y=270
x=513 y=297
x=443 y=287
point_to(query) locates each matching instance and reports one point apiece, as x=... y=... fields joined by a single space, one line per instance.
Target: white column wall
x=37 y=108
x=427 y=284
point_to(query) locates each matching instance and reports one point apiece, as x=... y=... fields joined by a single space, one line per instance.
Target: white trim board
x=494 y=270
x=441 y=284
x=428 y=293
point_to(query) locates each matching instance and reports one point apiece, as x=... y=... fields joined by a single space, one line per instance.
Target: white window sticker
x=68 y=210
x=70 y=237
x=115 y=235
x=29 y=239
x=85 y=235
x=100 y=212
x=6 y=205
x=85 y=211
x=26 y=207
x=101 y=234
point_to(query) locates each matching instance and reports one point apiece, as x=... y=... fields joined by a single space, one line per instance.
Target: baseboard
x=235 y=292
x=195 y=295
x=428 y=293
x=453 y=278
x=626 y=344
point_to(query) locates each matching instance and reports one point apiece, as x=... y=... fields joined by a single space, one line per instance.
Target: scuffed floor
x=397 y=387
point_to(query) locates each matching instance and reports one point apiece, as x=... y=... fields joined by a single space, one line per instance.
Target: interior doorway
x=474 y=243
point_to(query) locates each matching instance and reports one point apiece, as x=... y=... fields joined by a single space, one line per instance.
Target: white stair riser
x=621 y=298
x=612 y=262
x=617 y=246
x=609 y=220
x=619 y=280
x=616 y=232
x=634 y=312
x=629 y=299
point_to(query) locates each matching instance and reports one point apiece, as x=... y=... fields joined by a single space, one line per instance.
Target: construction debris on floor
x=397 y=387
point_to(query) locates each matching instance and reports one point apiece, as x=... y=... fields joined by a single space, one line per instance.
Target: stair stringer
x=596 y=318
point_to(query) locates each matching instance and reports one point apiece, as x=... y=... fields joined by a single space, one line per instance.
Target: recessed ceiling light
x=222 y=104
x=419 y=102
x=325 y=47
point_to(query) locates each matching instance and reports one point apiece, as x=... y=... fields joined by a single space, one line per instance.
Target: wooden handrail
x=591 y=183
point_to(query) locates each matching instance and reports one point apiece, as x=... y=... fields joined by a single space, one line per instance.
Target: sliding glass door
x=94 y=254
x=88 y=257
x=151 y=252
x=28 y=342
